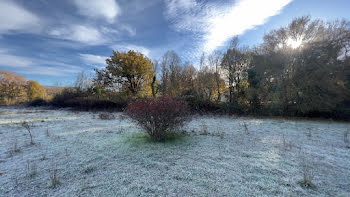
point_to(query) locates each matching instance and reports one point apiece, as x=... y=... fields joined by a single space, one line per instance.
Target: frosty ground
x=78 y=154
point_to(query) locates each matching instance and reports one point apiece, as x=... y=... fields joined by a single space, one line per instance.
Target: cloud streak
x=215 y=23
x=79 y=33
x=14 y=61
x=13 y=17
x=106 y=9
x=93 y=59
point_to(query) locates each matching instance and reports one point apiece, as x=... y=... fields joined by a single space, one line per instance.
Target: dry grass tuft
x=14 y=148
x=31 y=169
x=306 y=181
x=106 y=116
x=245 y=126
x=309 y=133
x=88 y=170
x=54 y=180
x=286 y=144
x=204 y=129
x=346 y=139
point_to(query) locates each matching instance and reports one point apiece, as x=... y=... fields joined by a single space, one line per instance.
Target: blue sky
x=52 y=41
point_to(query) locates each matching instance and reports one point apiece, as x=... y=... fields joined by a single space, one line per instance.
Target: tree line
x=15 y=89
x=302 y=69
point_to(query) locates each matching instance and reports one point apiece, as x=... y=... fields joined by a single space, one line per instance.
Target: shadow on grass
x=142 y=138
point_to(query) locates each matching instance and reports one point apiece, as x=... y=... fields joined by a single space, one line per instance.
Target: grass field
x=78 y=154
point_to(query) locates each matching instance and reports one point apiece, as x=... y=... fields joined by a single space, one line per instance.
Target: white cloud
x=107 y=9
x=13 y=61
x=15 y=18
x=79 y=33
x=176 y=6
x=216 y=23
x=127 y=47
x=93 y=59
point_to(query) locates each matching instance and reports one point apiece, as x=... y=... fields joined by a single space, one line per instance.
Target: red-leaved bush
x=159 y=116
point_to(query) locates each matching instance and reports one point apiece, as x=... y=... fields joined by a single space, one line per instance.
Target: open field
x=78 y=154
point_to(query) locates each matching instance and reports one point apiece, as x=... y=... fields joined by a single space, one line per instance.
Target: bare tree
x=170 y=73
x=214 y=60
x=235 y=61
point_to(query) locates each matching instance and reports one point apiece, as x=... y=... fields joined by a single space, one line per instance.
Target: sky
x=53 y=41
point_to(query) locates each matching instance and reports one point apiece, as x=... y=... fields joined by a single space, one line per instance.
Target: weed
x=15 y=148
x=66 y=152
x=88 y=169
x=346 y=134
x=31 y=169
x=43 y=158
x=121 y=130
x=286 y=144
x=204 y=130
x=346 y=138
x=309 y=133
x=221 y=135
x=122 y=117
x=246 y=130
x=106 y=116
x=47 y=132
x=54 y=180
x=27 y=127
x=306 y=181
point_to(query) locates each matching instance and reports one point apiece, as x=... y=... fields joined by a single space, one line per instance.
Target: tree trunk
x=152 y=86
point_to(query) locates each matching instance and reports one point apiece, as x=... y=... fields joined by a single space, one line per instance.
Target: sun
x=294 y=43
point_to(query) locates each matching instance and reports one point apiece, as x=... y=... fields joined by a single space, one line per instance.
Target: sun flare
x=294 y=43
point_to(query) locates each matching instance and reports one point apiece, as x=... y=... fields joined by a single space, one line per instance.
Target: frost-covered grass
x=78 y=154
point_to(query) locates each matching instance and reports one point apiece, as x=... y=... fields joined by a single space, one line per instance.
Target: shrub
x=200 y=105
x=59 y=99
x=82 y=101
x=231 y=108
x=91 y=103
x=37 y=103
x=159 y=116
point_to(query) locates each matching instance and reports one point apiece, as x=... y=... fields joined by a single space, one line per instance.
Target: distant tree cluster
x=302 y=69
x=16 y=89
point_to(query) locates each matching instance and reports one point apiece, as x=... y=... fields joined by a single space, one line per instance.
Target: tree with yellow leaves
x=130 y=72
x=35 y=90
x=12 y=87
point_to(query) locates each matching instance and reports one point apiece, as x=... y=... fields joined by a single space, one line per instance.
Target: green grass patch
x=141 y=138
